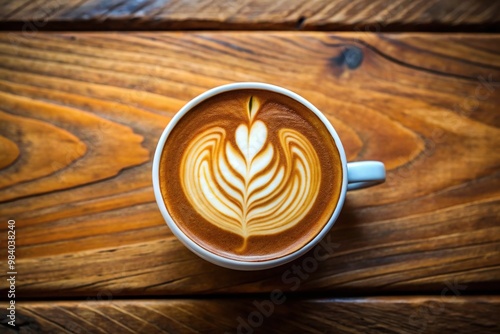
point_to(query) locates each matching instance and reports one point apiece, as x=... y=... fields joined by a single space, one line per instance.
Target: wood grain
x=348 y=15
x=81 y=114
x=338 y=315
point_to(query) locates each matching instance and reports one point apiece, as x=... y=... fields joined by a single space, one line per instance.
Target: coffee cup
x=251 y=176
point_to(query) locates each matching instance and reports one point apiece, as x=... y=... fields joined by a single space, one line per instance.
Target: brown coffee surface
x=250 y=175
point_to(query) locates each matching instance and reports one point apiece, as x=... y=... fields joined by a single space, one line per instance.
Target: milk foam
x=249 y=189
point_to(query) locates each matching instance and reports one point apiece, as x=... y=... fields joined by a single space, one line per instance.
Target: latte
x=250 y=175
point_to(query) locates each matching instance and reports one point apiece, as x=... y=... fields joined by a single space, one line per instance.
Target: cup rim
x=218 y=259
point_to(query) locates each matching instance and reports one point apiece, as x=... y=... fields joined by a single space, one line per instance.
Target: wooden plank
x=81 y=114
x=260 y=315
x=348 y=15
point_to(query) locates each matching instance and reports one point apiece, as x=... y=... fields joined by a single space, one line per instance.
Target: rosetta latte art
x=250 y=189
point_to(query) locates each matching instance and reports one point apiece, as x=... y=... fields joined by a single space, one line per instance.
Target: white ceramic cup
x=356 y=175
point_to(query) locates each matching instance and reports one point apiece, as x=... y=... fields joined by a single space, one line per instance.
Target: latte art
x=250 y=175
x=251 y=187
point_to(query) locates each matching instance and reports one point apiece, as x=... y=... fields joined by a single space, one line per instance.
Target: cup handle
x=363 y=174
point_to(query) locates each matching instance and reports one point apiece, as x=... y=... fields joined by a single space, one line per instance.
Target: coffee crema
x=250 y=175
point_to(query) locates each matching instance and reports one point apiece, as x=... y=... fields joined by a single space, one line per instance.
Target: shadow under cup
x=249 y=174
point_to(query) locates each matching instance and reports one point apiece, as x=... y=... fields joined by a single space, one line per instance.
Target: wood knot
x=351 y=56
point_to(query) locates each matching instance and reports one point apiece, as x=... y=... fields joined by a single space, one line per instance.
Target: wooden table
x=81 y=112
